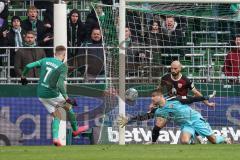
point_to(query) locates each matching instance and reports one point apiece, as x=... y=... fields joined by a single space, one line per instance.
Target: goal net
x=199 y=35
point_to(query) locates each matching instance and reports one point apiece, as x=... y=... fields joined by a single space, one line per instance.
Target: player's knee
x=56 y=114
x=185 y=139
x=67 y=107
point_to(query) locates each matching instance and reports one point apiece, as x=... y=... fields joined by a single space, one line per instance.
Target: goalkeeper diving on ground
x=189 y=120
x=178 y=85
x=52 y=92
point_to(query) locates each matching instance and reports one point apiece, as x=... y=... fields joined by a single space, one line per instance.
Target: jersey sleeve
x=161 y=112
x=163 y=81
x=61 y=80
x=190 y=84
x=31 y=65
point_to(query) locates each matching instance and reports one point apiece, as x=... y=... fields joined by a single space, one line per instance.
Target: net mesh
x=199 y=35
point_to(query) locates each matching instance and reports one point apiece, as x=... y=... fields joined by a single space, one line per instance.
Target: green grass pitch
x=122 y=152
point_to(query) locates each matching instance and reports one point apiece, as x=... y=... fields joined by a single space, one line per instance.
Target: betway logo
x=141 y=135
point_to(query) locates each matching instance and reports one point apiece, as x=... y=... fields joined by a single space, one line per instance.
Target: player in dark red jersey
x=178 y=86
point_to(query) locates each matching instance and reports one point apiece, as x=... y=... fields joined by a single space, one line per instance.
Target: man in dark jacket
x=27 y=55
x=92 y=58
x=75 y=32
x=14 y=38
x=32 y=23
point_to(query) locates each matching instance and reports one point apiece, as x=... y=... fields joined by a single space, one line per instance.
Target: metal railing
x=145 y=70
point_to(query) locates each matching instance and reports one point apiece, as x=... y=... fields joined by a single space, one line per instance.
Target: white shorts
x=52 y=103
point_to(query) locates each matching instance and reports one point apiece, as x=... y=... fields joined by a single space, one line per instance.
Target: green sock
x=55 y=127
x=72 y=119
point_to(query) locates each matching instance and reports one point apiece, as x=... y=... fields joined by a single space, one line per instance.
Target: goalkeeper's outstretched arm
x=143 y=117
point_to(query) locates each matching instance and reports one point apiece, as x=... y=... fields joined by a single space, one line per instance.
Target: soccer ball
x=131 y=94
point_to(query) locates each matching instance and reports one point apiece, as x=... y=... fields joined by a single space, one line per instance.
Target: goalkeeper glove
x=122 y=121
x=24 y=80
x=73 y=102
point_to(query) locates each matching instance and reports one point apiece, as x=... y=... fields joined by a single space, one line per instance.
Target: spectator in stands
x=32 y=23
x=14 y=38
x=92 y=20
x=172 y=35
x=75 y=32
x=153 y=37
x=48 y=17
x=92 y=58
x=48 y=24
x=232 y=60
x=129 y=39
x=134 y=56
x=133 y=21
x=27 y=55
x=3 y=20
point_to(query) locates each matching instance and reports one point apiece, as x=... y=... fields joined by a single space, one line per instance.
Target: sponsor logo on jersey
x=180 y=85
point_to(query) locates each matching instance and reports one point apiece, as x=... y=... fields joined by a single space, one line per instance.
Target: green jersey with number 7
x=53 y=73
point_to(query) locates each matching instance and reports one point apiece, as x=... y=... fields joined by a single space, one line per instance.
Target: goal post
x=60 y=38
x=122 y=19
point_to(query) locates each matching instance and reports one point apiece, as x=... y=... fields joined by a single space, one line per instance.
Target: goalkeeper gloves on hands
x=24 y=81
x=122 y=121
x=73 y=102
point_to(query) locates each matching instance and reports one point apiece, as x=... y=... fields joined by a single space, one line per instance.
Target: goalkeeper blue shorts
x=200 y=126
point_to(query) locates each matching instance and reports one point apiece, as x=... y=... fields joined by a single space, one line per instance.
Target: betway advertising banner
x=25 y=121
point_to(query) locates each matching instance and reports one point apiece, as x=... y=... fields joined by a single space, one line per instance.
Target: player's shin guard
x=220 y=139
x=55 y=127
x=155 y=133
x=72 y=119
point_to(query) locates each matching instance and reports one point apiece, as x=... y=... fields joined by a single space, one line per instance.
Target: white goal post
x=122 y=19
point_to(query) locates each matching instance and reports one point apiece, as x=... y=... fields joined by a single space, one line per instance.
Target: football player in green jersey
x=52 y=92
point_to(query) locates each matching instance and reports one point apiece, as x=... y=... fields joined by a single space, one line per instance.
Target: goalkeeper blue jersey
x=179 y=113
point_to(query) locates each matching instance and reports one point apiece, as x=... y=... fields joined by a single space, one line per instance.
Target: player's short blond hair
x=60 y=49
